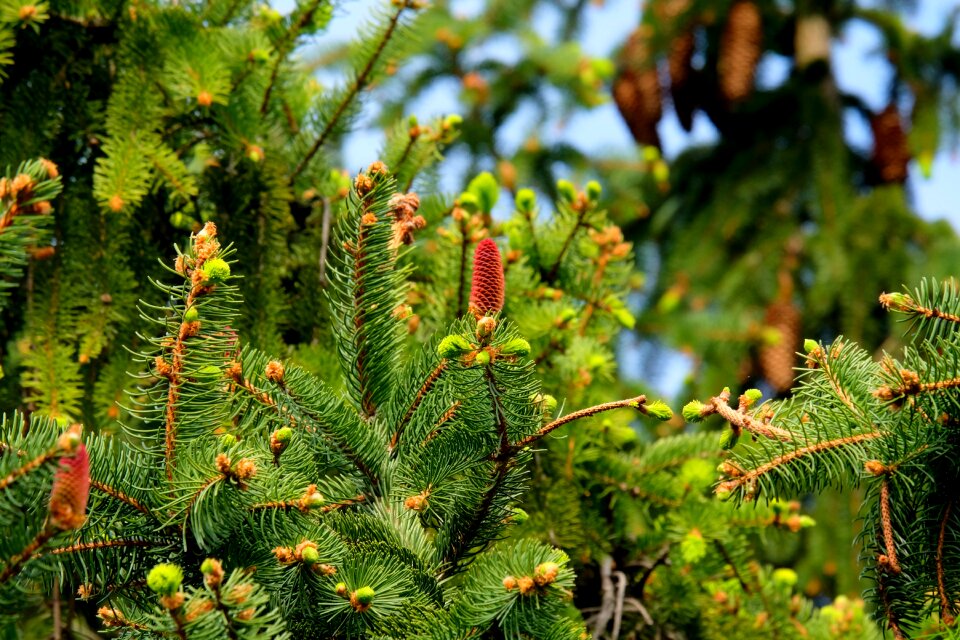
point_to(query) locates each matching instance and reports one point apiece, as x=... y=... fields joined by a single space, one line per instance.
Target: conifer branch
x=911 y=386
x=15 y=564
x=447 y=416
x=359 y=83
x=33 y=465
x=343 y=504
x=893 y=621
x=421 y=394
x=551 y=274
x=636 y=403
x=283 y=49
x=796 y=454
x=887 y=526
x=741 y=420
x=121 y=496
x=733 y=566
x=906 y=304
x=106 y=544
x=462 y=280
x=946 y=607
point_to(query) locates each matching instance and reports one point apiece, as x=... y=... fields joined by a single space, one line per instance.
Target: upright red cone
x=71 y=488
x=486 y=289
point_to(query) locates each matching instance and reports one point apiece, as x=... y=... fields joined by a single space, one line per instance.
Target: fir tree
x=250 y=497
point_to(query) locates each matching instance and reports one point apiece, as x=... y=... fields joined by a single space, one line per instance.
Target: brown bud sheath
x=486 y=290
x=71 y=488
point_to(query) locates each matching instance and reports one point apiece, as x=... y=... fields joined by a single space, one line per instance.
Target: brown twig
x=358 y=85
x=34 y=464
x=343 y=504
x=887 y=526
x=946 y=607
x=15 y=564
x=742 y=420
x=636 y=403
x=421 y=394
x=119 y=495
x=284 y=47
x=790 y=456
x=104 y=544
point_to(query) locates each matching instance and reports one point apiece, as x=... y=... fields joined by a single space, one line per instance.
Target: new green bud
x=752 y=395
x=485 y=187
x=469 y=202
x=546 y=401
x=723 y=494
x=566 y=190
x=691 y=411
x=310 y=555
x=364 y=595
x=661 y=172
x=209 y=373
x=208 y=566
x=283 y=434
x=453 y=346
x=567 y=314
x=215 y=270
x=191 y=314
x=659 y=410
x=593 y=190
x=728 y=439
x=483 y=358
x=165 y=579
x=784 y=577
x=452 y=121
x=625 y=318
x=810 y=345
x=806 y=522
x=515 y=347
x=526 y=200
x=228 y=439
x=651 y=153
x=412 y=121
x=519 y=516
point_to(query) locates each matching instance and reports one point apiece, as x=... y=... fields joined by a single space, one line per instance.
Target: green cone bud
x=191 y=314
x=723 y=494
x=810 y=345
x=691 y=411
x=753 y=395
x=165 y=579
x=208 y=566
x=365 y=595
x=215 y=270
x=526 y=200
x=651 y=153
x=784 y=577
x=483 y=358
x=728 y=439
x=566 y=190
x=310 y=555
x=228 y=439
x=283 y=434
x=519 y=516
x=659 y=410
x=469 y=202
x=453 y=346
x=486 y=189
x=806 y=522
x=452 y=121
x=515 y=347
x=593 y=190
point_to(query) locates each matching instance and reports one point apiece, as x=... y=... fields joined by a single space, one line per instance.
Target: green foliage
x=853 y=420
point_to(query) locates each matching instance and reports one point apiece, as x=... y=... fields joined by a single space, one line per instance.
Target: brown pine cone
x=636 y=89
x=681 y=75
x=740 y=48
x=777 y=360
x=891 y=151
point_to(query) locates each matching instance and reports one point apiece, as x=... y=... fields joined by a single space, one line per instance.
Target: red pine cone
x=71 y=488
x=486 y=289
x=740 y=50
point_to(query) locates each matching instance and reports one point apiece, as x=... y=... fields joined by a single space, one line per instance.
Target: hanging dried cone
x=681 y=77
x=740 y=49
x=636 y=89
x=891 y=151
x=777 y=360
